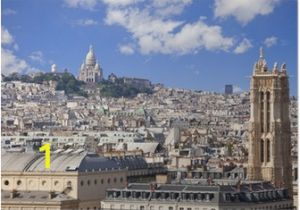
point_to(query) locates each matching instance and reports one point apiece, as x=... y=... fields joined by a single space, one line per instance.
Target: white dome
x=90 y=59
x=82 y=66
x=53 y=68
x=97 y=67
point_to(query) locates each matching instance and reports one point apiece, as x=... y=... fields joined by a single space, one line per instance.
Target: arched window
x=262 y=113
x=268 y=150
x=262 y=150
x=268 y=111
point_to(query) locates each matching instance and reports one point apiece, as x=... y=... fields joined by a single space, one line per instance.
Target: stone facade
x=269 y=127
x=90 y=70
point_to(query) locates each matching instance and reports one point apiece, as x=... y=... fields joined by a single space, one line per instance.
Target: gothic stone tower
x=269 y=128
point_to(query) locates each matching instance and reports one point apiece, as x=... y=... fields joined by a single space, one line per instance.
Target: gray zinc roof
x=34 y=162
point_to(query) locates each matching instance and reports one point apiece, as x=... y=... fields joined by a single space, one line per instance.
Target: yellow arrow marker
x=46 y=148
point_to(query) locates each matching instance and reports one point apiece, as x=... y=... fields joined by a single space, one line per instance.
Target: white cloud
x=11 y=63
x=167 y=8
x=120 y=3
x=270 y=41
x=6 y=37
x=243 y=46
x=37 y=56
x=86 y=22
x=155 y=34
x=244 y=10
x=126 y=49
x=9 y=11
x=85 y=4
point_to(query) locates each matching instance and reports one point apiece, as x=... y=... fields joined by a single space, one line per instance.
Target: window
x=170 y=208
x=262 y=113
x=268 y=111
x=43 y=182
x=55 y=183
x=19 y=182
x=121 y=179
x=181 y=208
x=115 y=180
x=268 y=151
x=102 y=181
x=142 y=208
x=6 y=182
x=108 y=180
x=95 y=181
x=88 y=182
x=262 y=150
x=81 y=183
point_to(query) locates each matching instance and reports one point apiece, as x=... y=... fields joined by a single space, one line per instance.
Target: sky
x=194 y=44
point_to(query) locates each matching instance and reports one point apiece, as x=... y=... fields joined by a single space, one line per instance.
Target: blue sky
x=195 y=44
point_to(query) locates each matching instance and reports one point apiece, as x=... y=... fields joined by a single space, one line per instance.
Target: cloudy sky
x=196 y=44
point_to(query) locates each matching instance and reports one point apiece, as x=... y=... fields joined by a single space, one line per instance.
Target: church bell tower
x=269 y=127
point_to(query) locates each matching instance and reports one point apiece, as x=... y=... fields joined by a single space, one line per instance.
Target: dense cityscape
x=149 y=105
x=150 y=149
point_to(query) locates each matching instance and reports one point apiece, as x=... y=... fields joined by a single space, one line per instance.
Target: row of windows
x=102 y=181
x=197 y=208
x=88 y=208
x=19 y=182
x=160 y=208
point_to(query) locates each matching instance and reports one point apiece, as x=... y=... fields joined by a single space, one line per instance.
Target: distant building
x=90 y=70
x=248 y=196
x=228 y=89
x=112 y=77
x=137 y=82
x=53 y=68
x=76 y=180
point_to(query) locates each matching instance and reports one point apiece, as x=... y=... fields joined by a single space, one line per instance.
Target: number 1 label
x=46 y=148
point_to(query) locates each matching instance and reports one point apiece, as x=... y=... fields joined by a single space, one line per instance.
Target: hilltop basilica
x=90 y=70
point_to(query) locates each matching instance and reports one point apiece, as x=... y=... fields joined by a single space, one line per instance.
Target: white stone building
x=90 y=70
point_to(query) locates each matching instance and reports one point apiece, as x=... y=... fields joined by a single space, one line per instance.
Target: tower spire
x=261 y=52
